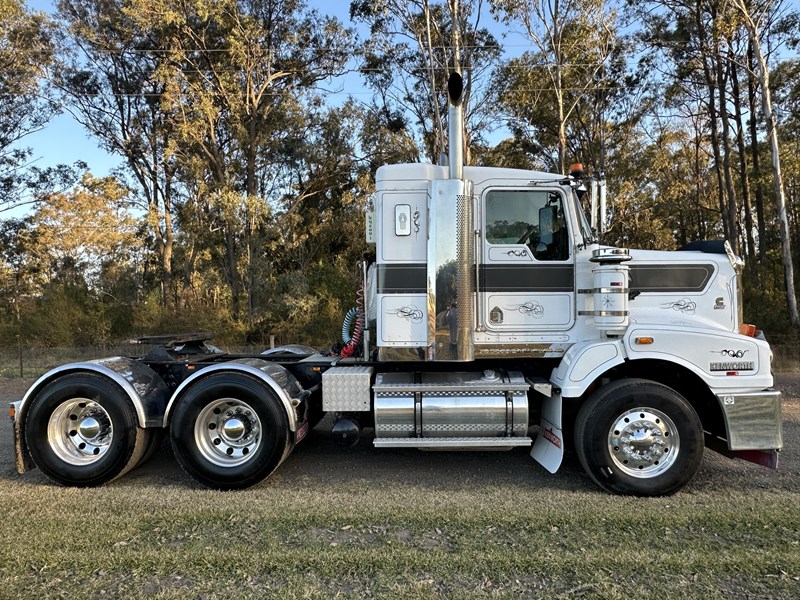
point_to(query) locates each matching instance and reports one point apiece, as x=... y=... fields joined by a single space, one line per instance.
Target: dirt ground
x=318 y=459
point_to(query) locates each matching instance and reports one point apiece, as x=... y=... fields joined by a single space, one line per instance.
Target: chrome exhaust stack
x=451 y=251
x=455 y=125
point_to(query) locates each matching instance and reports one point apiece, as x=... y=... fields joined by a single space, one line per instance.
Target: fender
x=726 y=361
x=584 y=362
x=280 y=381
x=145 y=389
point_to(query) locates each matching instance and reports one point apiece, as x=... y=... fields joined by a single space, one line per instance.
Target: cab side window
x=534 y=218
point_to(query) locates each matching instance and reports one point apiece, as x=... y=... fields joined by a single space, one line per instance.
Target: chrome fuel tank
x=442 y=405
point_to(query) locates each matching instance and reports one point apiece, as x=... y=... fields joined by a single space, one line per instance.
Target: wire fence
x=27 y=361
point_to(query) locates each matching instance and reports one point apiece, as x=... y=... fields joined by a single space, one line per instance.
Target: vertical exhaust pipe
x=455 y=125
x=465 y=230
x=451 y=248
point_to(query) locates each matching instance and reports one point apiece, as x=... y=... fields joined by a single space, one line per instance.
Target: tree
x=414 y=46
x=752 y=17
x=573 y=41
x=109 y=84
x=26 y=52
x=233 y=73
x=74 y=235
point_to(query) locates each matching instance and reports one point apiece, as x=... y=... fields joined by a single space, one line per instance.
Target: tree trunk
x=742 y=148
x=712 y=113
x=732 y=214
x=754 y=150
x=777 y=176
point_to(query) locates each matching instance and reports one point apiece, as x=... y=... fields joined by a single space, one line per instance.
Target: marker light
x=644 y=341
x=748 y=330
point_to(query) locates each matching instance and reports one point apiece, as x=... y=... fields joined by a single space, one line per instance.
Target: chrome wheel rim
x=79 y=431
x=643 y=442
x=227 y=432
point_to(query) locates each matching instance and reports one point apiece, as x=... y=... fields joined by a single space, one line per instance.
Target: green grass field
x=355 y=523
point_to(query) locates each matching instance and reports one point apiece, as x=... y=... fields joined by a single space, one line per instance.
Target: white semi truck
x=490 y=308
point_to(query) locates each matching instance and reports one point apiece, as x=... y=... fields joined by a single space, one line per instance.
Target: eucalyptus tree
x=109 y=82
x=709 y=44
x=413 y=47
x=26 y=53
x=754 y=16
x=82 y=230
x=232 y=74
x=573 y=42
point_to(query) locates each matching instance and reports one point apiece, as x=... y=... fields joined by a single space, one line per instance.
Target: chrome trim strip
x=603 y=313
x=433 y=387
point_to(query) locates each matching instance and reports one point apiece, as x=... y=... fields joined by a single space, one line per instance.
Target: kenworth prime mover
x=490 y=308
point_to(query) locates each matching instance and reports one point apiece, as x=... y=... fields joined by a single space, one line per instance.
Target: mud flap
x=548 y=450
x=22 y=456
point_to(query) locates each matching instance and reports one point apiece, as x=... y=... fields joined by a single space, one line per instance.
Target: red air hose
x=351 y=342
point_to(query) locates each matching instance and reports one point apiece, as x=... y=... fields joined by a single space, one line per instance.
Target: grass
x=337 y=523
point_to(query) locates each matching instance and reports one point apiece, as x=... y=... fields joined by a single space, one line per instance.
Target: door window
x=534 y=218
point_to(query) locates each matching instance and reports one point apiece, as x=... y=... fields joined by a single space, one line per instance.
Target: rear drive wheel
x=81 y=430
x=229 y=431
x=639 y=437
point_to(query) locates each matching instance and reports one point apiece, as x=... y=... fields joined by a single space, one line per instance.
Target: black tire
x=655 y=452
x=210 y=415
x=155 y=436
x=81 y=430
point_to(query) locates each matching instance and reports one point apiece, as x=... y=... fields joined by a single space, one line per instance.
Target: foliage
x=407 y=61
x=26 y=52
x=240 y=202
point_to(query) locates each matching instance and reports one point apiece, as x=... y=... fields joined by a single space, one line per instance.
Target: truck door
x=527 y=276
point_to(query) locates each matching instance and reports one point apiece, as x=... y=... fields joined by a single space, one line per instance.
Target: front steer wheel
x=639 y=437
x=229 y=431
x=81 y=430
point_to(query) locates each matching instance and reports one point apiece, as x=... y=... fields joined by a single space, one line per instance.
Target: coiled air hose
x=355 y=319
